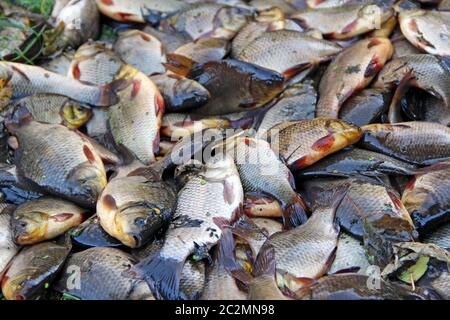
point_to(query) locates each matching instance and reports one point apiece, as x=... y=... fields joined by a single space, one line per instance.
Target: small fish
x=97 y=274
x=180 y=94
x=33 y=269
x=211 y=198
x=141 y=50
x=304 y=142
x=44 y=219
x=234 y=85
x=351 y=71
x=132 y=208
x=288 y=52
x=427 y=198
x=8 y=249
x=345 y=21
x=415 y=142
x=427 y=30
x=27 y=80
x=54 y=109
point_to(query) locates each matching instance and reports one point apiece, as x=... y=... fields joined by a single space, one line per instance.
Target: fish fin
x=295 y=213
x=348 y=270
x=244 y=227
x=304 y=281
x=330 y=260
x=104 y=153
x=394 y=115
x=373 y=67
x=161 y=274
x=293 y=71
x=226 y=251
x=242 y=276
x=432 y=168
x=61 y=217
x=179 y=64
x=350 y=27
x=153 y=17
x=147 y=172
x=17 y=118
x=108 y=94
x=265 y=262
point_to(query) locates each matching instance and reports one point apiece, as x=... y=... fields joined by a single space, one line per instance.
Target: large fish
x=32 y=270
x=302 y=143
x=97 y=274
x=58 y=161
x=132 y=207
x=8 y=249
x=344 y=22
x=427 y=30
x=141 y=50
x=235 y=85
x=210 y=199
x=25 y=80
x=352 y=70
x=55 y=109
x=261 y=171
x=77 y=22
x=288 y=52
x=427 y=197
x=44 y=219
x=135 y=121
x=416 y=142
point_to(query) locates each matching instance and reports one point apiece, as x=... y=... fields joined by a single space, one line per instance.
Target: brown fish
x=44 y=219
x=345 y=21
x=427 y=30
x=352 y=70
x=302 y=143
x=416 y=142
x=288 y=52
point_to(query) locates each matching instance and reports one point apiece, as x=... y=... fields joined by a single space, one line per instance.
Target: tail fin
x=225 y=251
x=162 y=275
x=17 y=117
x=394 y=115
x=108 y=93
x=295 y=213
x=179 y=64
x=265 y=262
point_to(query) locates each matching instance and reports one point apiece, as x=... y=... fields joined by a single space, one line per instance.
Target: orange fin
x=179 y=64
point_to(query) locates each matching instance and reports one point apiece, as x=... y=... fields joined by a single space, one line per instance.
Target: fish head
x=86 y=183
x=376 y=132
x=16 y=287
x=75 y=114
x=344 y=134
x=137 y=222
x=232 y=19
x=30 y=226
x=265 y=84
x=373 y=16
x=274 y=14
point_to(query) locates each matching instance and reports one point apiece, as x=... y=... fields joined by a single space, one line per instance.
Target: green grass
x=43 y=7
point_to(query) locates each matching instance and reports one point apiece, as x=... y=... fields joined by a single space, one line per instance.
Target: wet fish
x=192 y=280
x=209 y=20
x=345 y=21
x=427 y=30
x=350 y=255
x=132 y=207
x=181 y=125
x=33 y=269
x=8 y=249
x=58 y=160
x=416 y=142
x=55 y=109
x=351 y=71
x=204 y=50
x=28 y=80
x=440 y=236
x=365 y=107
x=210 y=199
x=99 y=276
x=306 y=251
x=77 y=22
x=354 y=161
x=180 y=94
x=139 y=11
x=288 y=52
x=262 y=172
x=427 y=198
x=297 y=102
x=44 y=219
x=91 y=234
x=141 y=50
x=220 y=283
x=242 y=86
x=304 y=142
x=354 y=287
x=135 y=121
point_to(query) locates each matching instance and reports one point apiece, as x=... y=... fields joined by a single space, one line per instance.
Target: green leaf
x=415 y=272
x=67 y=296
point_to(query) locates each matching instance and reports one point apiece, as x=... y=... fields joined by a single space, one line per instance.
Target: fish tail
x=17 y=117
x=394 y=115
x=225 y=252
x=265 y=262
x=179 y=64
x=108 y=93
x=295 y=213
x=162 y=274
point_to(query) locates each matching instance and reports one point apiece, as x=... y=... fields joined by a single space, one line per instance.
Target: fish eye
x=140 y=222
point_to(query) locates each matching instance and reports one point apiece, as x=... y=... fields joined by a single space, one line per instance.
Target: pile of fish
x=225 y=150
